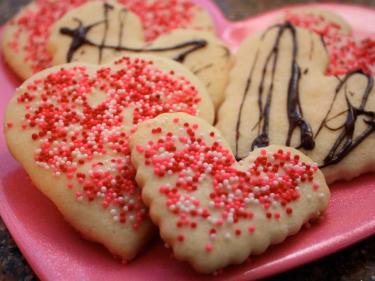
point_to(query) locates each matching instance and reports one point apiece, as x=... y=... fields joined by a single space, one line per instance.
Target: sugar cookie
x=25 y=37
x=279 y=94
x=69 y=127
x=98 y=32
x=346 y=52
x=212 y=210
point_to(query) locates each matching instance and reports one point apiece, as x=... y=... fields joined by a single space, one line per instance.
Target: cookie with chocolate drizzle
x=25 y=37
x=279 y=93
x=98 y=32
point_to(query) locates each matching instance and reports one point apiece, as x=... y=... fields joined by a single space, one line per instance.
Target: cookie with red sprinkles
x=98 y=32
x=25 y=36
x=212 y=210
x=347 y=53
x=162 y=16
x=69 y=127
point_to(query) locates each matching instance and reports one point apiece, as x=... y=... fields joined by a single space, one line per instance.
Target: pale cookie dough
x=346 y=52
x=98 y=32
x=24 y=40
x=69 y=127
x=162 y=16
x=279 y=94
x=317 y=19
x=212 y=210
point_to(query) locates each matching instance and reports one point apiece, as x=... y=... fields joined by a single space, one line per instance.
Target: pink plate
x=56 y=252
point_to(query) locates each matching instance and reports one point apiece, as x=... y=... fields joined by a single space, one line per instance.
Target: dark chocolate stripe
x=346 y=142
x=107 y=8
x=294 y=110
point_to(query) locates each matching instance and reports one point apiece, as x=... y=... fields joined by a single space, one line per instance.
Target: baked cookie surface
x=212 y=210
x=69 y=127
x=24 y=41
x=98 y=32
x=346 y=52
x=279 y=93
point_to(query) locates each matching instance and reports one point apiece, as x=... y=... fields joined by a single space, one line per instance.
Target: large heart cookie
x=279 y=94
x=212 y=210
x=98 y=32
x=25 y=36
x=69 y=128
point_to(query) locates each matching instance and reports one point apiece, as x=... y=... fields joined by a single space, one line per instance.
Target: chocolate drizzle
x=239 y=116
x=107 y=8
x=202 y=68
x=346 y=141
x=122 y=16
x=79 y=39
x=294 y=111
x=295 y=115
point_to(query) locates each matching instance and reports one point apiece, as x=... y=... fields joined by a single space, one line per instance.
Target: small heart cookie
x=25 y=37
x=279 y=93
x=212 y=210
x=69 y=127
x=99 y=32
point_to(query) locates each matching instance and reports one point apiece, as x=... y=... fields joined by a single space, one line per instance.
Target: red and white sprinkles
x=346 y=53
x=271 y=179
x=81 y=124
x=35 y=22
x=161 y=16
x=34 y=26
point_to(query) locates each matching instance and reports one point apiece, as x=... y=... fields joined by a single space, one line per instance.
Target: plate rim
x=224 y=24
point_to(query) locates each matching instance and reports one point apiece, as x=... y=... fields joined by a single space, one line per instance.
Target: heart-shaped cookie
x=69 y=127
x=98 y=32
x=25 y=36
x=279 y=94
x=212 y=210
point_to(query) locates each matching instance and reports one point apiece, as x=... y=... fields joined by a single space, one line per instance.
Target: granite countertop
x=354 y=263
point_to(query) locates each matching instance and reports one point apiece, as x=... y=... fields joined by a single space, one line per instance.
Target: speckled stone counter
x=354 y=263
